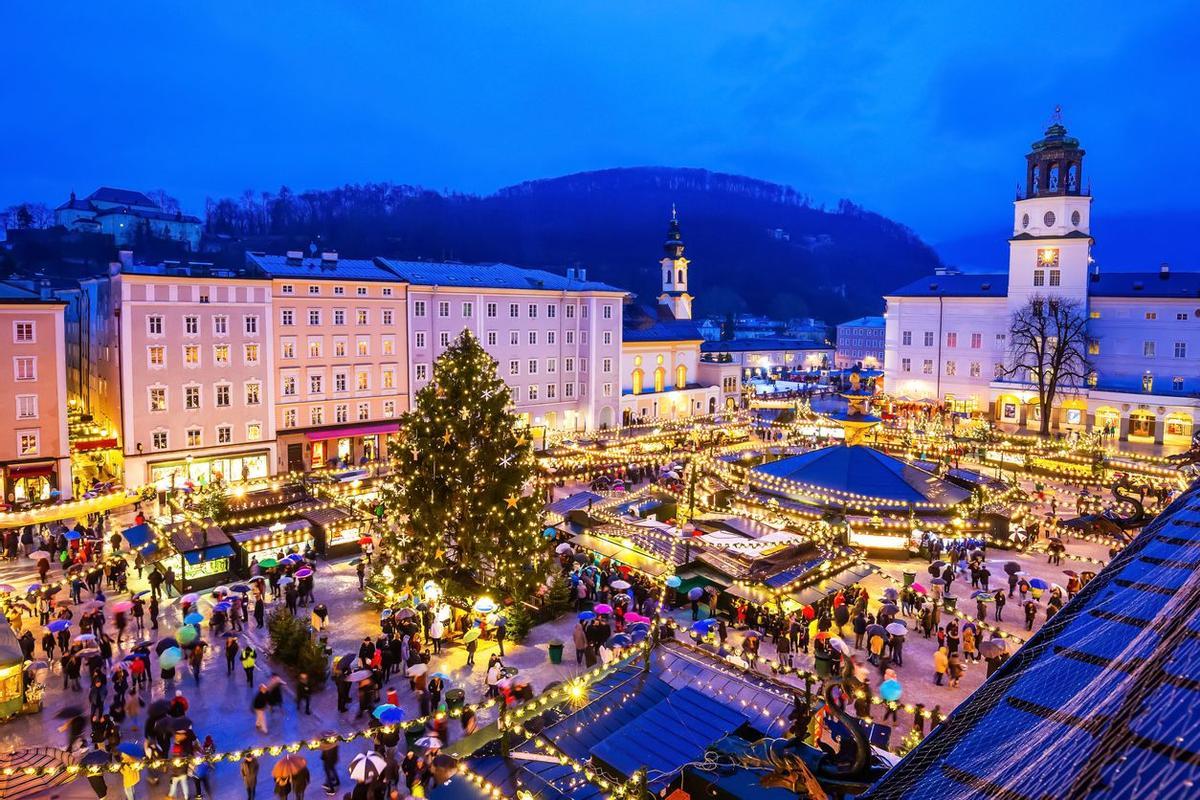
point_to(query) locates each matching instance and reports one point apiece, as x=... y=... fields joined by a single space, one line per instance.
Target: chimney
x=329 y=257
x=44 y=290
x=583 y=273
x=126 y=257
x=295 y=255
x=1164 y=270
x=570 y=273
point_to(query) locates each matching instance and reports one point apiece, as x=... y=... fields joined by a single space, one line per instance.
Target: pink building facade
x=556 y=339
x=197 y=374
x=34 y=449
x=341 y=357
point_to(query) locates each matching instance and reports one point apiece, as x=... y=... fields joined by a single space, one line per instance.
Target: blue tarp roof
x=1103 y=701
x=138 y=535
x=859 y=469
x=209 y=554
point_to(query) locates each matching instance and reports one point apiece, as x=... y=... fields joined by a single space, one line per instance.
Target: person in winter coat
x=1000 y=601
x=250 y=775
x=955 y=669
x=941 y=663
x=329 y=762
x=580 y=640
x=436 y=632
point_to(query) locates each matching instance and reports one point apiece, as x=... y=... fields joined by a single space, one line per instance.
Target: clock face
x=1025 y=221
x=1049 y=219
x=1075 y=218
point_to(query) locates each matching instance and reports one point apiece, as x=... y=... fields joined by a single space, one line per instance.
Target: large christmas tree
x=459 y=504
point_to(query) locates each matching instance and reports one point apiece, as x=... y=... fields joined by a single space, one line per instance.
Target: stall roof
x=291 y=526
x=608 y=548
x=191 y=535
x=320 y=514
x=10 y=648
x=208 y=554
x=575 y=502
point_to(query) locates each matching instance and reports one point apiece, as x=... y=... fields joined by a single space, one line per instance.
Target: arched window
x=667 y=276
x=680 y=278
x=1036 y=183
x=637 y=381
x=681 y=376
x=1052 y=183
x=1073 y=178
x=660 y=378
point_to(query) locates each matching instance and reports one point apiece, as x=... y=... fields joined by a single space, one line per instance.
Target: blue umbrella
x=58 y=625
x=695 y=593
x=549 y=533
x=890 y=690
x=1038 y=583
x=223 y=607
x=241 y=588
x=194 y=618
x=619 y=640
x=131 y=749
x=703 y=626
x=584 y=616
x=674 y=581
x=72 y=535
x=638 y=635
x=441 y=675
x=638 y=626
x=33 y=587
x=382 y=709
x=391 y=716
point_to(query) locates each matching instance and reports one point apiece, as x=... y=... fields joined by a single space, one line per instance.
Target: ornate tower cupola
x=1055 y=165
x=674 y=267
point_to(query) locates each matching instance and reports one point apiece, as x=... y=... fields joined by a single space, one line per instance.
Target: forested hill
x=754 y=246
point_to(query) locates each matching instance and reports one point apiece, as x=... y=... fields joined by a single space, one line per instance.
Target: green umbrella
x=267 y=563
x=470 y=635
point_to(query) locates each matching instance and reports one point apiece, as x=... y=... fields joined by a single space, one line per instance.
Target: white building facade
x=946 y=336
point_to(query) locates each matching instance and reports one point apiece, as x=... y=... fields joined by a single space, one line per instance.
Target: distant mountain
x=756 y=246
x=1131 y=242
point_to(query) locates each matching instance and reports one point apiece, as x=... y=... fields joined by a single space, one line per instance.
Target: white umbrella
x=896 y=628
x=563 y=548
x=837 y=643
x=429 y=741
x=367 y=767
x=417 y=669
x=620 y=586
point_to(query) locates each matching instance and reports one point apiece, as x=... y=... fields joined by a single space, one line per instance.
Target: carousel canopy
x=862 y=470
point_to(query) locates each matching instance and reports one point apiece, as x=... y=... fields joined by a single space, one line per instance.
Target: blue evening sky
x=921 y=111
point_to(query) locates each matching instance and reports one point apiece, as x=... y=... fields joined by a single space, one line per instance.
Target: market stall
x=274 y=541
x=201 y=554
x=12 y=675
x=336 y=531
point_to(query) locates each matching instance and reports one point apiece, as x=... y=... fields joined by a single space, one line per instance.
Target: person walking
x=231 y=654
x=941 y=662
x=329 y=762
x=1000 y=601
x=259 y=706
x=501 y=632
x=249 y=657
x=304 y=693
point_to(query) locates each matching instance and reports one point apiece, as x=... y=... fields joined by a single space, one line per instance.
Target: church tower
x=1050 y=248
x=674 y=267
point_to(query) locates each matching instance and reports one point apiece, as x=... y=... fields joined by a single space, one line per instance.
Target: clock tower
x=1050 y=248
x=674 y=268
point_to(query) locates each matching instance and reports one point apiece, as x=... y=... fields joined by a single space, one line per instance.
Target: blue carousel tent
x=1104 y=701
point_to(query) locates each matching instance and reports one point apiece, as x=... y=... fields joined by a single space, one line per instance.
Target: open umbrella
x=485 y=605
x=417 y=669
x=142 y=593
x=563 y=548
x=430 y=742
x=891 y=594
x=72 y=535
x=286 y=580
x=187 y=634
x=38 y=555
x=918 y=588
x=890 y=690
x=896 y=628
x=753 y=635
x=359 y=675
x=1012 y=567
x=382 y=708
x=84 y=637
x=158 y=708
x=674 y=581
x=58 y=625
x=695 y=593
x=170 y=657
x=471 y=635
x=603 y=608
x=194 y=618
x=367 y=767
x=304 y=572
x=584 y=616
x=839 y=644
x=619 y=640
x=583 y=558
x=620 y=586
x=1038 y=583
x=991 y=649
x=1070 y=572
x=189 y=599
x=875 y=630
x=267 y=563
x=937 y=582
x=982 y=596
x=240 y=588
x=288 y=766
x=95 y=758
x=224 y=607
x=703 y=626
x=6 y=588
x=33 y=587
x=889 y=608
x=122 y=607
x=131 y=749
x=391 y=716
x=405 y=613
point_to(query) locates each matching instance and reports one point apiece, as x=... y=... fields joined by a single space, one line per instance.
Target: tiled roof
x=1145 y=284
x=755 y=345
x=1103 y=701
x=360 y=269
x=125 y=197
x=10 y=292
x=657 y=324
x=863 y=322
x=488 y=276
x=961 y=285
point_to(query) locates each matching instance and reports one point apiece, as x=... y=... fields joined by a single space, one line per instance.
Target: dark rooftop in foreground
x=1103 y=701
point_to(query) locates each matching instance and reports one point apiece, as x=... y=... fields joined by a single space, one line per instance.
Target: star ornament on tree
x=512 y=500
x=447 y=437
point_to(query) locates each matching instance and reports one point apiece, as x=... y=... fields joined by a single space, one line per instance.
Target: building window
x=339 y=381
x=287 y=316
x=23 y=332
x=422 y=372
x=569 y=388
x=906 y=365
x=314 y=289
x=339 y=316
x=514 y=337
x=362 y=380
x=191 y=397
x=1177 y=384
x=419 y=308
x=514 y=368
x=250 y=353
x=1181 y=349
x=1055 y=277
x=158 y=398
x=570 y=312
x=289 y=386
x=606 y=366
x=363 y=346
x=583 y=365
x=1000 y=337
x=364 y=411
x=533 y=312
x=158 y=440
x=419 y=339
x=1181 y=316
x=551 y=389
x=362 y=317
x=606 y=390
x=607 y=312
x=1148 y=349
x=289 y=418
x=550 y=339
x=341 y=413
x=1147 y=382
x=314 y=317
x=975 y=369
x=551 y=311
x=569 y=364
x=154 y=325
x=491 y=338
x=221 y=325
x=316 y=415
x=316 y=384
x=253 y=394
x=223 y=393
x=224 y=434
x=929 y=338
x=608 y=337
x=444 y=308
x=389 y=408
x=27 y=406
x=287 y=348
x=221 y=354
x=951 y=339
x=339 y=347
x=388 y=378
x=570 y=336
x=906 y=337
x=444 y=338
x=387 y=291
x=1039 y=277
x=389 y=346
x=251 y=325
x=533 y=366
x=951 y=368
x=191 y=326
x=342 y=290
x=157 y=356
x=533 y=337
x=551 y=365
x=927 y=366
x=387 y=316
x=468 y=309
x=191 y=355
x=288 y=288
x=1151 y=315
x=314 y=347
x=514 y=310
x=193 y=437
x=533 y=393
x=1093 y=347
x=976 y=341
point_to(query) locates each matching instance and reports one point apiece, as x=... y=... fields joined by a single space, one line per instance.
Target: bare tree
x=26 y=216
x=165 y=201
x=1047 y=347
